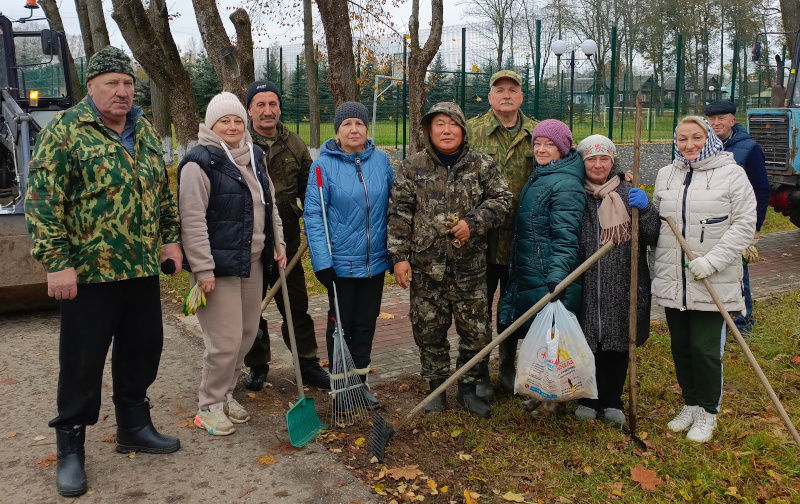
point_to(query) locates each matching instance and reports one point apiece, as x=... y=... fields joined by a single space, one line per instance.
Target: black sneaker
x=313 y=374
x=255 y=380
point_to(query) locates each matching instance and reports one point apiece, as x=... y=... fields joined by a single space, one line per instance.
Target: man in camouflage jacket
x=444 y=201
x=288 y=162
x=503 y=132
x=102 y=218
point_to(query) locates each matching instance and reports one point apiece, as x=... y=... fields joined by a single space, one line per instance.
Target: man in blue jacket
x=748 y=155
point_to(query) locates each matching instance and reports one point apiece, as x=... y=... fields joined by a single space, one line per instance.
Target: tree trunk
x=51 y=11
x=335 y=15
x=311 y=75
x=237 y=74
x=86 y=28
x=791 y=23
x=418 y=60
x=97 y=22
x=154 y=48
x=162 y=118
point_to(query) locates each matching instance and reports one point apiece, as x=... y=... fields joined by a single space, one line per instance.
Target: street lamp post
x=559 y=47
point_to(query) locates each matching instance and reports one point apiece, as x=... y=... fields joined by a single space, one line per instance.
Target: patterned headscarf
x=712 y=146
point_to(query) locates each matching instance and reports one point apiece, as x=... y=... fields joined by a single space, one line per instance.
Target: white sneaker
x=684 y=420
x=585 y=413
x=235 y=411
x=703 y=428
x=214 y=420
x=614 y=416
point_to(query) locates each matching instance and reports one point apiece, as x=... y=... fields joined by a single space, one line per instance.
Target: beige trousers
x=230 y=324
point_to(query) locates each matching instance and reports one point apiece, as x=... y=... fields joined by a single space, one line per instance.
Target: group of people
x=499 y=200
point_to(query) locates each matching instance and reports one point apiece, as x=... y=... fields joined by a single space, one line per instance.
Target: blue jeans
x=745 y=323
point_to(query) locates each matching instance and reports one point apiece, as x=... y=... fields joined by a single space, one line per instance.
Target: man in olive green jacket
x=288 y=162
x=503 y=132
x=102 y=219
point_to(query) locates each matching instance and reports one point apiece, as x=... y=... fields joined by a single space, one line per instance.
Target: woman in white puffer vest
x=712 y=202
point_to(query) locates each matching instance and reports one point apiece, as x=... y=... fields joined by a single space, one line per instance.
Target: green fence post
x=613 y=83
x=538 y=62
x=594 y=95
x=528 y=85
x=405 y=96
x=650 y=108
x=463 y=67
x=622 y=112
x=396 y=114
x=678 y=78
x=280 y=68
x=297 y=93
x=734 y=68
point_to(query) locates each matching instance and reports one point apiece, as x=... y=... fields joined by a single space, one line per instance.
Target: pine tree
x=438 y=87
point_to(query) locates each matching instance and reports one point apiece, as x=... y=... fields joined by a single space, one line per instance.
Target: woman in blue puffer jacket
x=356 y=181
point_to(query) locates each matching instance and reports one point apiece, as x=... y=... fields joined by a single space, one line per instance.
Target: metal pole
x=678 y=77
x=622 y=112
x=528 y=84
x=463 y=67
x=571 y=86
x=405 y=96
x=280 y=68
x=613 y=83
x=721 y=53
x=734 y=68
x=561 y=93
x=396 y=115
x=650 y=109
x=538 y=62
x=594 y=95
x=374 y=107
x=297 y=93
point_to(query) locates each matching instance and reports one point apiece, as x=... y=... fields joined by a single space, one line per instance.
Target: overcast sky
x=185 y=27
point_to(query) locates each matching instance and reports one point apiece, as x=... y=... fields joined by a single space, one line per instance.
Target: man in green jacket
x=102 y=219
x=503 y=132
x=288 y=163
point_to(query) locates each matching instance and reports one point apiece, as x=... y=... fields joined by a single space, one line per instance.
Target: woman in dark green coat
x=544 y=249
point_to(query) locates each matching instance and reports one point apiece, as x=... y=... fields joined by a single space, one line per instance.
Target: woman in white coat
x=712 y=202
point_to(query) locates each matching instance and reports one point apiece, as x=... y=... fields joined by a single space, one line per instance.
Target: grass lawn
x=515 y=458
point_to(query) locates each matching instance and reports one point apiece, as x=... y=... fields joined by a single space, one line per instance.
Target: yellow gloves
x=750 y=254
x=195 y=298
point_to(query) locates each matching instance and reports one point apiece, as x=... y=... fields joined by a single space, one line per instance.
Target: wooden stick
x=738 y=336
x=277 y=286
x=533 y=310
x=632 y=314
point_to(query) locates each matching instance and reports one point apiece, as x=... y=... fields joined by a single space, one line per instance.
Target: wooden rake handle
x=289 y=267
x=533 y=310
x=738 y=336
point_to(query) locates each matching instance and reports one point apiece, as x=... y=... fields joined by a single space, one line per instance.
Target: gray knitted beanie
x=349 y=110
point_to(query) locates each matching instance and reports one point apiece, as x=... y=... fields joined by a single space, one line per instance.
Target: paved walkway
x=395 y=353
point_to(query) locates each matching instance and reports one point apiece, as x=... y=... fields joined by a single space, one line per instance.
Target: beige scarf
x=615 y=223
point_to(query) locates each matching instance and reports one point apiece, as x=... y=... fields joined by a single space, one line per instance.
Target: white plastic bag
x=555 y=362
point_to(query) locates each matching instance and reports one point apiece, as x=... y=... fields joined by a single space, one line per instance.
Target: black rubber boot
x=258 y=375
x=369 y=398
x=507 y=371
x=469 y=400
x=484 y=390
x=313 y=374
x=135 y=432
x=70 y=476
x=439 y=402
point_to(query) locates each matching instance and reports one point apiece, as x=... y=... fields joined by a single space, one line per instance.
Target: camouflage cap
x=109 y=59
x=505 y=74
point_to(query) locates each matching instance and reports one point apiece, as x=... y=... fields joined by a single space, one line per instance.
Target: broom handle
x=288 y=313
x=738 y=336
x=289 y=267
x=533 y=310
x=632 y=315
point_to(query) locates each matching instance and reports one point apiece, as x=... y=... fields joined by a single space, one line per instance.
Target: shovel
x=302 y=419
x=381 y=432
x=738 y=336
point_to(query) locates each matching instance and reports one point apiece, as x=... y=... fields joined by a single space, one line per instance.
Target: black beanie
x=350 y=110
x=262 y=87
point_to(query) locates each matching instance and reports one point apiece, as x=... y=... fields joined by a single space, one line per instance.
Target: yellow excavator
x=35 y=85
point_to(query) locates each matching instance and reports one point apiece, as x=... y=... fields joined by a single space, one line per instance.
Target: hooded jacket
x=356 y=192
x=426 y=192
x=544 y=248
x=713 y=204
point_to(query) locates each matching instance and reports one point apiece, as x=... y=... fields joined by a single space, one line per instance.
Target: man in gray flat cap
x=748 y=155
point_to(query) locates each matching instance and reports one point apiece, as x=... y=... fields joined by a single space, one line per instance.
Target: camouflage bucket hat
x=109 y=59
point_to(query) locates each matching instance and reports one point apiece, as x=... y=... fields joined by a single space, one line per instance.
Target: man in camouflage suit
x=102 y=219
x=444 y=201
x=503 y=132
x=288 y=162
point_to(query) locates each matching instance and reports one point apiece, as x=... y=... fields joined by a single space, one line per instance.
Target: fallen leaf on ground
x=360 y=441
x=10 y=435
x=251 y=395
x=373 y=460
x=409 y=472
x=187 y=424
x=795 y=359
x=245 y=492
x=340 y=484
x=513 y=497
x=48 y=460
x=266 y=460
x=645 y=477
x=9 y=381
x=108 y=438
x=282 y=493
x=456 y=433
x=464 y=456
x=443 y=489
x=39 y=437
x=386 y=316
x=284 y=449
x=132 y=455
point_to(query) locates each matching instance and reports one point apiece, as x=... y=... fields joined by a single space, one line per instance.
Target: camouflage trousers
x=434 y=305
